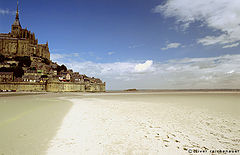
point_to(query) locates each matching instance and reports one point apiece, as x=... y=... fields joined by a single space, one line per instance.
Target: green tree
x=44 y=76
x=25 y=60
x=13 y=65
x=2 y=58
x=46 y=61
x=18 y=71
x=4 y=69
x=60 y=68
x=33 y=68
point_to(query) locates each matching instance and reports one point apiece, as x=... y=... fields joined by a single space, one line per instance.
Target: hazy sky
x=139 y=43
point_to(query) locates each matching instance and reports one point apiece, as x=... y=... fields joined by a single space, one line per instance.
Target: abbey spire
x=17 y=13
x=17 y=22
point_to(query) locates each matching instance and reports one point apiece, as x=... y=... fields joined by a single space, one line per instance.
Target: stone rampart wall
x=65 y=87
x=23 y=86
x=52 y=87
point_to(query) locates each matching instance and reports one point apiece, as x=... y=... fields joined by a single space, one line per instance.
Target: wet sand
x=28 y=122
x=149 y=123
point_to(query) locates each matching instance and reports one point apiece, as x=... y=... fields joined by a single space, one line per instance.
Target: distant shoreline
x=172 y=90
x=25 y=93
x=9 y=94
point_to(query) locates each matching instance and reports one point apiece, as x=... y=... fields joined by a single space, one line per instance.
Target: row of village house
x=35 y=76
x=40 y=72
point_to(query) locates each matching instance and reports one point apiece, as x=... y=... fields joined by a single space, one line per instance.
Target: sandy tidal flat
x=28 y=121
x=149 y=123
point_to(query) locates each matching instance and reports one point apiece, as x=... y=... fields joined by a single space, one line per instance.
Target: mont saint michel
x=171 y=67
x=25 y=65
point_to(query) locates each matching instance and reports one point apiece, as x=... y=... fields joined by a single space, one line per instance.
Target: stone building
x=38 y=72
x=6 y=65
x=6 y=76
x=21 y=42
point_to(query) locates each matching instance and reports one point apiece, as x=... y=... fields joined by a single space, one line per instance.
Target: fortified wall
x=23 y=86
x=52 y=87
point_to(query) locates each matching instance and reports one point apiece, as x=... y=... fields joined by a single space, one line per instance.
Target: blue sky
x=137 y=43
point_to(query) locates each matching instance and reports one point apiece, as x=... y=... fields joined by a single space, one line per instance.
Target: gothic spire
x=17 y=13
x=17 y=22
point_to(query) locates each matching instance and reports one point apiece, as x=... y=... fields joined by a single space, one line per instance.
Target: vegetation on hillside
x=23 y=61
x=2 y=58
x=17 y=71
x=44 y=76
x=61 y=68
x=46 y=61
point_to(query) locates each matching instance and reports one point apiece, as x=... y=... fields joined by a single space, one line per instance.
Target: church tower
x=16 y=26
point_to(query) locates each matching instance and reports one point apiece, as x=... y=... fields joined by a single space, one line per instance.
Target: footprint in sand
x=173 y=135
x=164 y=140
x=177 y=141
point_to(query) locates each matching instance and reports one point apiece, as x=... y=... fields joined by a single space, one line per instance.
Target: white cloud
x=213 y=72
x=171 y=45
x=111 y=53
x=136 y=46
x=230 y=46
x=221 y=15
x=211 y=40
x=143 y=67
x=57 y=57
x=230 y=72
x=6 y=11
x=76 y=54
x=222 y=39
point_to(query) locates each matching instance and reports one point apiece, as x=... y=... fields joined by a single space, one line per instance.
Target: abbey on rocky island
x=25 y=65
x=21 y=42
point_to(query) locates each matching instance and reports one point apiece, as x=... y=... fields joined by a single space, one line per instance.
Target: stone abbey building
x=21 y=42
x=25 y=65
